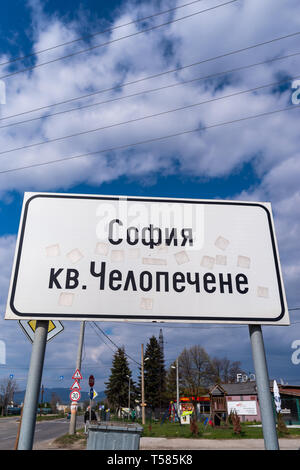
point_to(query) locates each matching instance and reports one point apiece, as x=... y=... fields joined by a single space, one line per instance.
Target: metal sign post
x=91 y=385
x=263 y=388
x=33 y=386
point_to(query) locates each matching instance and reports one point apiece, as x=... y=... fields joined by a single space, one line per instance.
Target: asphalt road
x=44 y=430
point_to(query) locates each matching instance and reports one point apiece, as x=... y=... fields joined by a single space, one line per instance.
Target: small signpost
x=75 y=394
x=91 y=385
x=75 y=387
x=149 y=259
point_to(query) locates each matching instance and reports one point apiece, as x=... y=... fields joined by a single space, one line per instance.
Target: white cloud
x=137 y=57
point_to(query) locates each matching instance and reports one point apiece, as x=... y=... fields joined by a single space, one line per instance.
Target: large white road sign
x=116 y=258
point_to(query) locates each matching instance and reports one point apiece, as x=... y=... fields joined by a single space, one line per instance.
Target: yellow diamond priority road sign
x=28 y=326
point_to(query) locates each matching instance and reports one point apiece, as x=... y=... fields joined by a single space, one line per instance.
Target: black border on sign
x=145 y=317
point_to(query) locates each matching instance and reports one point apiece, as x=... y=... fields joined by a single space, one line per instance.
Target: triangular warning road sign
x=75 y=386
x=77 y=375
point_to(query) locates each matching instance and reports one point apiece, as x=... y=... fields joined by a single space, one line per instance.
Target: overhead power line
x=165 y=87
x=152 y=140
x=93 y=328
x=112 y=41
x=149 y=116
x=89 y=36
x=25 y=367
x=149 y=77
x=118 y=347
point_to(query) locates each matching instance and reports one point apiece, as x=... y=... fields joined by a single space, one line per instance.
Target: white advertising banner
x=130 y=258
x=246 y=407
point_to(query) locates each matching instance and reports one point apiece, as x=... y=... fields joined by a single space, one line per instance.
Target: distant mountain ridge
x=62 y=393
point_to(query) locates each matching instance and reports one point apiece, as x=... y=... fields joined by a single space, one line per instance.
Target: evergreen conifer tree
x=117 y=387
x=154 y=375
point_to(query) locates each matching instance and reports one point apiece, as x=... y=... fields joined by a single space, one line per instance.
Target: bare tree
x=195 y=370
x=7 y=389
x=225 y=371
x=54 y=400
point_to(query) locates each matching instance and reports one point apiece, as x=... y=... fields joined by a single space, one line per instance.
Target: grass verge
x=173 y=430
x=49 y=417
x=68 y=441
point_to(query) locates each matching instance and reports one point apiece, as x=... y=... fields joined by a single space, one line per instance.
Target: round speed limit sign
x=75 y=395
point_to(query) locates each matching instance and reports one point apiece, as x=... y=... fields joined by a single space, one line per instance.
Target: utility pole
x=72 y=427
x=42 y=399
x=177 y=387
x=42 y=394
x=143 y=391
x=128 y=391
x=18 y=432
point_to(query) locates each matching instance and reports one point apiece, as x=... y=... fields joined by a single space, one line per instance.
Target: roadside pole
x=19 y=427
x=72 y=427
x=177 y=388
x=33 y=386
x=90 y=410
x=263 y=388
x=129 y=394
x=91 y=385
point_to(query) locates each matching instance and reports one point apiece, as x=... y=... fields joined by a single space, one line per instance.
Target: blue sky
x=251 y=160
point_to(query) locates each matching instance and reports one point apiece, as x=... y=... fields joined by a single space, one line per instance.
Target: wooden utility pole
x=42 y=399
x=42 y=394
x=18 y=433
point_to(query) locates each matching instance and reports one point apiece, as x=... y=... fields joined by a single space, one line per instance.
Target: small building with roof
x=242 y=397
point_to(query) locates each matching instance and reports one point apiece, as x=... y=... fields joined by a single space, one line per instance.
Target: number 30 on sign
x=75 y=395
